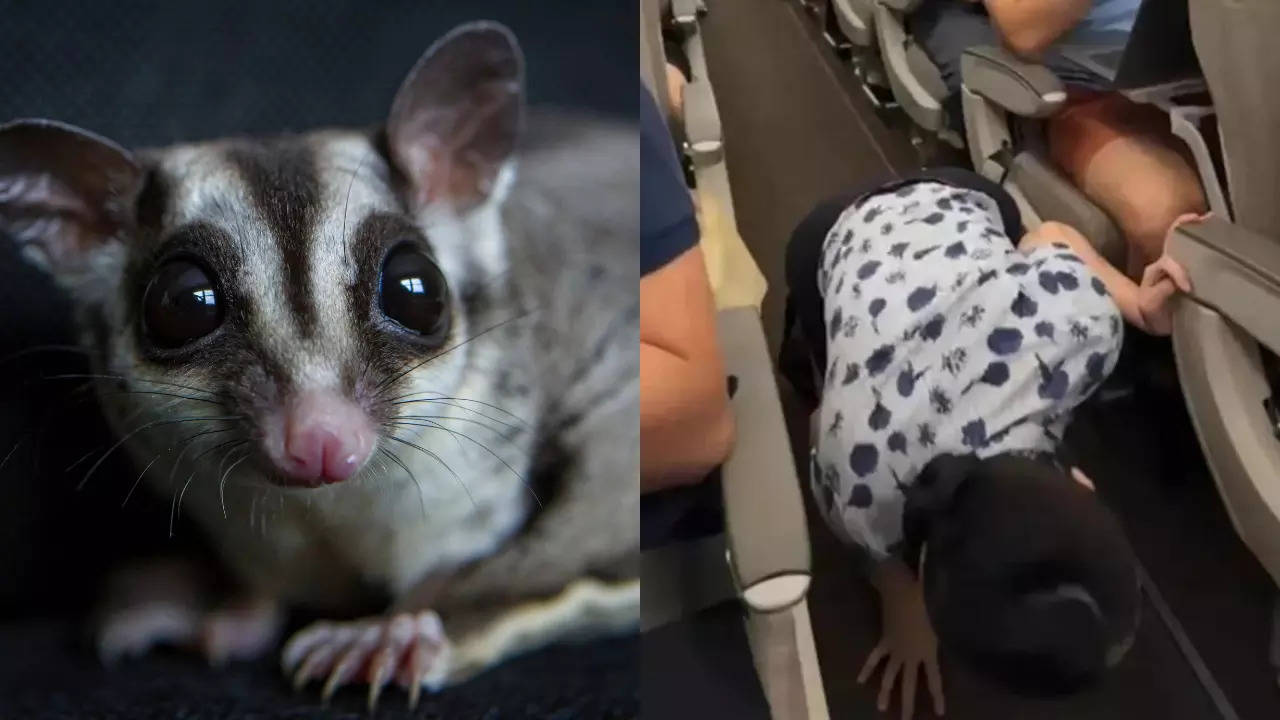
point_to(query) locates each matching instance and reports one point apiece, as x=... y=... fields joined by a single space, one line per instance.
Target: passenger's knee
x=1144 y=185
x=1146 y=211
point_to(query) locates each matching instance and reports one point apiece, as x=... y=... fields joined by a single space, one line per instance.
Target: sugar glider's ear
x=456 y=119
x=64 y=192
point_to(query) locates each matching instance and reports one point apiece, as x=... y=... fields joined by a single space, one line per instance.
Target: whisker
x=100 y=376
x=437 y=395
x=43 y=348
x=84 y=457
x=438 y=459
x=222 y=483
x=12 y=451
x=46 y=419
x=517 y=418
x=160 y=392
x=511 y=427
x=406 y=424
x=139 y=411
x=185 y=444
x=396 y=459
x=381 y=387
x=135 y=431
x=138 y=482
x=175 y=506
x=347 y=204
x=178 y=462
x=486 y=448
x=459 y=419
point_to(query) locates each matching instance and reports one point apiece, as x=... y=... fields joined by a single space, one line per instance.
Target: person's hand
x=907 y=646
x=1161 y=281
x=675 y=89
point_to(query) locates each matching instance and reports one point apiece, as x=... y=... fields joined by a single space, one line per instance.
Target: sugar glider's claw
x=302 y=643
x=382 y=666
x=427 y=654
x=317 y=661
x=379 y=674
x=351 y=660
x=410 y=648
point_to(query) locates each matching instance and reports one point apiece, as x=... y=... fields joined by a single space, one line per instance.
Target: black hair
x=1026 y=573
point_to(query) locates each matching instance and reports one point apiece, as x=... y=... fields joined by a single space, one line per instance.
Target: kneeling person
x=947 y=363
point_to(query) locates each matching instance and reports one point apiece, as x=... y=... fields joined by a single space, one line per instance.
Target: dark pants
x=804 y=314
x=698 y=666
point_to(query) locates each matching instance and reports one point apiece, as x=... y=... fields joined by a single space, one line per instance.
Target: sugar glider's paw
x=134 y=630
x=163 y=604
x=409 y=648
x=242 y=630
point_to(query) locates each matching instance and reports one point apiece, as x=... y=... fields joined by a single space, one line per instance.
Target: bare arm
x=1029 y=27
x=686 y=426
x=1145 y=305
x=908 y=644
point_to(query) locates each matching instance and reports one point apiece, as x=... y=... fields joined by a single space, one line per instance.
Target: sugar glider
x=399 y=361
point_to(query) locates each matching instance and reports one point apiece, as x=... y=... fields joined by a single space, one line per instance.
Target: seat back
x=1218 y=344
x=1235 y=41
x=653 y=62
x=916 y=82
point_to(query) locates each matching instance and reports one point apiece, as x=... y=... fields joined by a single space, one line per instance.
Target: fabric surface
x=943 y=338
x=46 y=673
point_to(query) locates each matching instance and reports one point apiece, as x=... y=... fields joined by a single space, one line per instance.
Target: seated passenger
x=686 y=426
x=1121 y=154
x=948 y=362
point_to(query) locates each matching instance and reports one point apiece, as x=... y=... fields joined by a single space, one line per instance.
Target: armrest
x=702 y=123
x=1234 y=271
x=902 y=6
x=1021 y=87
x=685 y=14
x=765 y=525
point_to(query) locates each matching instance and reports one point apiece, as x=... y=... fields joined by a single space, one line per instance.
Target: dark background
x=153 y=73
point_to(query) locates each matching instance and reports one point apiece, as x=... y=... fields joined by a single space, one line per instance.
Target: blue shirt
x=1106 y=20
x=668 y=225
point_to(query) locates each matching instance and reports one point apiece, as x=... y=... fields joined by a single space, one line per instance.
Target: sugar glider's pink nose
x=326 y=439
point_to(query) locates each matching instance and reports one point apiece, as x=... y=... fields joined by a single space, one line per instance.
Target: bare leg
x=1144 y=185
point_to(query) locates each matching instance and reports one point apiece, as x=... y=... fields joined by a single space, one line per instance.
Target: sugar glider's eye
x=181 y=305
x=414 y=293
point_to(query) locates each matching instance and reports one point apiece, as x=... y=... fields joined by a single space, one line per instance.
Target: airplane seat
x=916 y=81
x=1005 y=100
x=1225 y=333
x=855 y=21
x=762 y=558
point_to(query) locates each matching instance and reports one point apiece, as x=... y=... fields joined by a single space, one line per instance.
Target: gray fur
x=541 y=367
